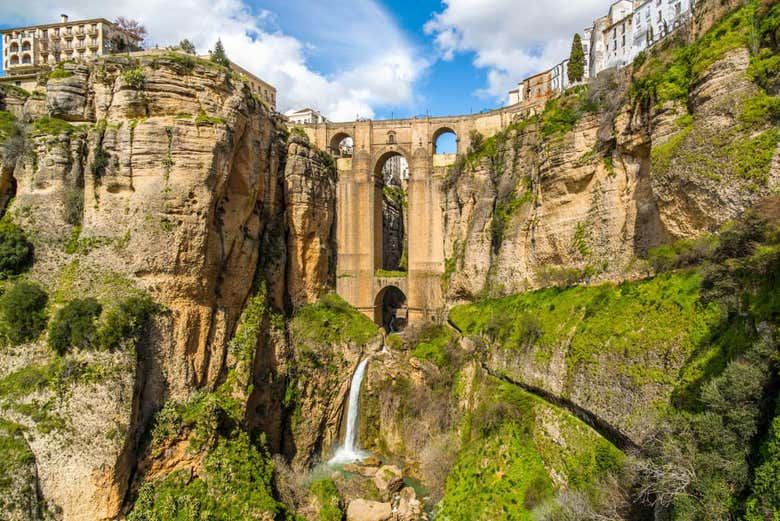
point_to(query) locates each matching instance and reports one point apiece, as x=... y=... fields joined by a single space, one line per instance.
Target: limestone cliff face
x=164 y=174
x=594 y=199
x=310 y=196
x=589 y=204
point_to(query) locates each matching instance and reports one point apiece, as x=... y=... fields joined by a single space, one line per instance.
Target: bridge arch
x=342 y=145
x=391 y=309
x=445 y=141
x=391 y=180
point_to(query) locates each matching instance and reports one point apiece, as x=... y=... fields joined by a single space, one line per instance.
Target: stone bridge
x=359 y=203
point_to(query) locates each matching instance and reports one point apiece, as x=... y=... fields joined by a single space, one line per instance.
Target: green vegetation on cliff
x=235 y=483
x=662 y=314
x=512 y=443
x=332 y=320
x=707 y=333
x=743 y=150
x=17 y=479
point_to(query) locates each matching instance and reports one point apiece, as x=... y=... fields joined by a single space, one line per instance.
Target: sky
x=360 y=58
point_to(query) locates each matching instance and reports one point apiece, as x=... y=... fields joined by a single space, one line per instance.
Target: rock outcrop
x=310 y=196
x=161 y=174
x=596 y=198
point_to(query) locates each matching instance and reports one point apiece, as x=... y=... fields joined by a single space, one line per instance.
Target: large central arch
x=391 y=176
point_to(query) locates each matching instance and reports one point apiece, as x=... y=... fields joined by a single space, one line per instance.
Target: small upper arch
x=445 y=141
x=342 y=145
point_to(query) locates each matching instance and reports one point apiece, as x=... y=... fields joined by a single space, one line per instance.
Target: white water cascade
x=349 y=451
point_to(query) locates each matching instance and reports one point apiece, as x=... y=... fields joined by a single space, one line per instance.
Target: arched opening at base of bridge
x=392 y=178
x=391 y=310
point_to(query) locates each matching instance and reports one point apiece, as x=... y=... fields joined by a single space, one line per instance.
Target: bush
x=16 y=252
x=682 y=254
x=22 y=312
x=74 y=206
x=328 y=499
x=126 y=322
x=74 y=325
x=134 y=78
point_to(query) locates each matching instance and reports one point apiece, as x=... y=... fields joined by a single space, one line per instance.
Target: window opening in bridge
x=391 y=303
x=395 y=180
x=342 y=145
x=446 y=142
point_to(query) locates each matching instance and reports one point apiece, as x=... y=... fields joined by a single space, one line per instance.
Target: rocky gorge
x=173 y=349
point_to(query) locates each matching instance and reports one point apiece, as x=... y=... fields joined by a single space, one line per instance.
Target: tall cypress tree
x=576 y=61
x=218 y=55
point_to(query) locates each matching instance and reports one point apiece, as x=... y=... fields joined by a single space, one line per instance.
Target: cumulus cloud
x=358 y=81
x=510 y=39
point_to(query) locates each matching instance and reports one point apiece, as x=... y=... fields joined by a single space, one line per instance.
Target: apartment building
x=27 y=50
x=305 y=116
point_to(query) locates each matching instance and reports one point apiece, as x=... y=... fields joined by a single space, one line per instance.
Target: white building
x=631 y=27
x=305 y=116
x=655 y=19
x=559 y=77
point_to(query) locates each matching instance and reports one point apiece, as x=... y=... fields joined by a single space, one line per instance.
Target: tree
x=16 y=252
x=187 y=46
x=576 y=61
x=132 y=28
x=22 y=313
x=218 y=55
x=74 y=325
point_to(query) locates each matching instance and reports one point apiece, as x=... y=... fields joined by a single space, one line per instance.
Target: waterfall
x=349 y=451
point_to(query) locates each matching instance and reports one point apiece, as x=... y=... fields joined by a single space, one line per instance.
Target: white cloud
x=360 y=81
x=511 y=39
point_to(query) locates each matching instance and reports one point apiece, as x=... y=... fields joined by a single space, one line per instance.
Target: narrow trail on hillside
x=603 y=427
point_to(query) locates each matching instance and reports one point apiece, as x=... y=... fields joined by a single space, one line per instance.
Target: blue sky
x=368 y=58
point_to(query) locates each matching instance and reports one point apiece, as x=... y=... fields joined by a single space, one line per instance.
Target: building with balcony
x=305 y=116
x=27 y=50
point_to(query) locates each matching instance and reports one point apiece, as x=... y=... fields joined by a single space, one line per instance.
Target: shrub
x=74 y=206
x=16 y=252
x=22 y=312
x=435 y=345
x=329 y=500
x=7 y=124
x=51 y=127
x=99 y=162
x=58 y=74
x=74 y=325
x=134 y=78
x=125 y=322
x=682 y=254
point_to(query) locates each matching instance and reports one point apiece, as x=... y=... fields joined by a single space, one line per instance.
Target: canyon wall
x=163 y=175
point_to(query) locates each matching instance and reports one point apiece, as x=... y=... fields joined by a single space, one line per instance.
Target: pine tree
x=576 y=61
x=187 y=46
x=219 y=56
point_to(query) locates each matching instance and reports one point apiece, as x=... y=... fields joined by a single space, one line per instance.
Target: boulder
x=364 y=510
x=409 y=507
x=372 y=461
x=388 y=479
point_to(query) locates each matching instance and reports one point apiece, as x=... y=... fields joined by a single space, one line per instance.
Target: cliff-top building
x=27 y=50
